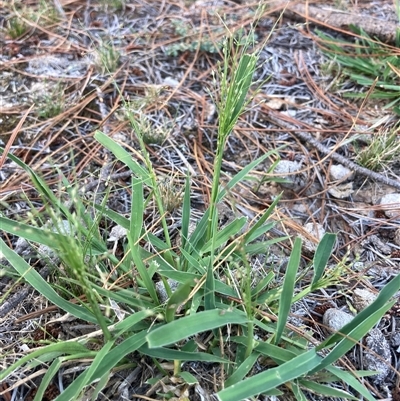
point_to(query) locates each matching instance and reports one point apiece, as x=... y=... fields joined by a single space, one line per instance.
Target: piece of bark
x=336 y=19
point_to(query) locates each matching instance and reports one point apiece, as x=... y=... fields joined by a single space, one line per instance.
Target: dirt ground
x=81 y=64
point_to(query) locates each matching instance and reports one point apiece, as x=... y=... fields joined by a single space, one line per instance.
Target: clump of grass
x=133 y=318
x=51 y=104
x=381 y=149
x=369 y=63
x=15 y=27
x=106 y=58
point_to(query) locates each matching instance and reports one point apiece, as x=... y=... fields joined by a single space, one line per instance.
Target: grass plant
x=203 y=302
x=370 y=63
x=382 y=147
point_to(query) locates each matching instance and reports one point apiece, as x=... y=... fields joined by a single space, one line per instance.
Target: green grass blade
x=257 y=230
x=126 y=324
x=384 y=296
x=348 y=378
x=109 y=362
x=324 y=390
x=287 y=289
x=39 y=284
x=297 y=392
x=131 y=344
x=177 y=298
x=134 y=233
x=225 y=234
x=241 y=175
x=186 y=215
x=137 y=210
x=60 y=348
x=272 y=378
x=122 y=155
x=242 y=370
x=188 y=378
x=262 y=284
x=322 y=255
x=354 y=336
x=31 y=233
x=176 y=355
x=99 y=361
x=47 y=378
x=191 y=325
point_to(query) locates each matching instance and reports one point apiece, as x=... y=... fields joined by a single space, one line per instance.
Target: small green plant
x=369 y=63
x=192 y=40
x=114 y=4
x=16 y=28
x=51 y=104
x=106 y=58
x=382 y=148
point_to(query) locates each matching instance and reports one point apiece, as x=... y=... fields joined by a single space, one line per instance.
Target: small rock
x=316 y=231
x=362 y=298
x=377 y=355
x=395 y=341
x=340 y=173
x=162 y=292
x=391 y=203
x=341 y=191
x=117 y=232
x=287 y=169
x=335 y=319
x=377 y=243
x=169 y=81
x=396 y=239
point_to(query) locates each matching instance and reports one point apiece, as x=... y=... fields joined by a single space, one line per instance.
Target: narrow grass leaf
x=122 y=155
x=242 y=370
x=262 y=284
x=348 y=378
x=60 y=348
x=176 y=355
x=262 y=247
x=387 y=292
x=137 y=210
x=240 y=176
x=287 y=289
x=191 y=325
x=188 y=378
x=99 y=360
x=297 y=391
x=271 y=378
x=353 y=337
x=322 y=255
x=134 y=233
x=193 y=263
x=178 y=297
x=47 y=378
x=225 y=234
x=131 y=344
x=32 y=277
x=100 y=386
x=324 y=390
x=130 y=321
x=253 y=233
x=186 y=214
x=198 y=237
x=259 y=231
x=30 y=233
x=181 y=277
